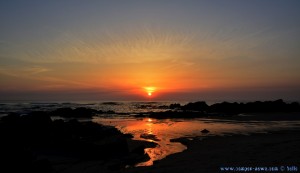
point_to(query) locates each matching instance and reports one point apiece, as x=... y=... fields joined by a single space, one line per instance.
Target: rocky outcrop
x=35 y=143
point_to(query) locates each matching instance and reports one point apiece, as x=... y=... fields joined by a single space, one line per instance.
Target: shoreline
x=209 y=154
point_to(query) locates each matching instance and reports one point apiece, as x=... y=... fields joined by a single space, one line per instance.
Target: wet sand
x=279 y=148
x=208 y=154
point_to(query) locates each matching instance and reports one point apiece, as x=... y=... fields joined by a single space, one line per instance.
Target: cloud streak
x=141 y=45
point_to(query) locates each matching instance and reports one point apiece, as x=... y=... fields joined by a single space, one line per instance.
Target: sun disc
x=149 y=90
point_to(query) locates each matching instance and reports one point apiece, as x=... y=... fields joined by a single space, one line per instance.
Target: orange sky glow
x=149 y=51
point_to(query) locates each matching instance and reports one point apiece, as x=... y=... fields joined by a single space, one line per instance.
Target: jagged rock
x=149 y=136
x=80 y=112
x=204 y=131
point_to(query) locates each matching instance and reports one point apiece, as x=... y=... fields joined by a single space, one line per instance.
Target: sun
x=150 y=90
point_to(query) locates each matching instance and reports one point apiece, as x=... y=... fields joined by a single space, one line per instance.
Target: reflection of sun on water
x=149 y=125
x=167 y=129
x=164 y=147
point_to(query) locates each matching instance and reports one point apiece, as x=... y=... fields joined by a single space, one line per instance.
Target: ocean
x=124 y=108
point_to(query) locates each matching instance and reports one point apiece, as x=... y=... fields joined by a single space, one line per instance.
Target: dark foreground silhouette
x=35 y=143
x=237 y=108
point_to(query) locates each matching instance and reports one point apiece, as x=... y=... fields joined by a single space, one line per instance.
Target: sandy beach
x=275 y=149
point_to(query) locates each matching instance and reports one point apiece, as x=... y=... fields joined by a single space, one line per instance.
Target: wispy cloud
x=35 y=70
x=44 y=78
x=141 y=45
x=22 y=71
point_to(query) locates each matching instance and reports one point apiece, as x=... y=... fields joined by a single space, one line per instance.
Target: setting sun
x=150 y=90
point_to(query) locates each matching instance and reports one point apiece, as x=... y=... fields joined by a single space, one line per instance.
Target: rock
x=11 y=118
x=37 y=118
x=139 y=150
x=204 y=131
x=149 y=136
x=175 y=106
x=35 y=143
x=63 y=112
x=196 y=106
x=84 y=112
x=111 y=103
x=80 y=112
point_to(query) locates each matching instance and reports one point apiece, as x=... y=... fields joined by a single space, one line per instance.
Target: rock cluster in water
x=35 y=143
x=202 y=109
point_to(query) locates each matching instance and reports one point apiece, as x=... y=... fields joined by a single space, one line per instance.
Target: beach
x=82 y=139
x=276 y=150
x=209 y=154
x=270 y=150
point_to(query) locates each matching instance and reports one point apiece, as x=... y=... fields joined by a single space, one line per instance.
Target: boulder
x=204 y=131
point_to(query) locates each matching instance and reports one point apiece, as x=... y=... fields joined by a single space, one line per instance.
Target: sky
x=138 y=50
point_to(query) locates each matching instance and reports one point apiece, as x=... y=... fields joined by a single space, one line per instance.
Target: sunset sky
x=131 y=49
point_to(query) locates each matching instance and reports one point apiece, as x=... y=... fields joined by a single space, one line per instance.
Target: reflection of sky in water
x=167 y=129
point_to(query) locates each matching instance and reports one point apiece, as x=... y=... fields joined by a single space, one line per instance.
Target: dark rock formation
x=80 y=112
x=149 y=136
x=175 y=106
x=238 y=108
x=196 y=106
x=204 y=131
x=33 y=142
x=225 y=109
